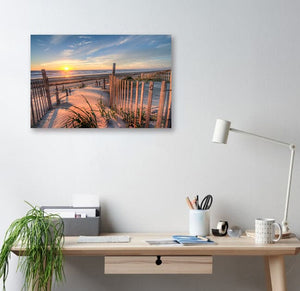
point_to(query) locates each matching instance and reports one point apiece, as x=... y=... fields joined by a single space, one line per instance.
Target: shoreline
x=53 y=81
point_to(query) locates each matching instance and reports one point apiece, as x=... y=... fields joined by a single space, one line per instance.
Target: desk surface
x=225 y=246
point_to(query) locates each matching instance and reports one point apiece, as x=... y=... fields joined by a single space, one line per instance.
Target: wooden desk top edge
x=225 y=246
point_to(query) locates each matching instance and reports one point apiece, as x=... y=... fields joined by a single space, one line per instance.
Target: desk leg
x=275 y=273
x=268 y=276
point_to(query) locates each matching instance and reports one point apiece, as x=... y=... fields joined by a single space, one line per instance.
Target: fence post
x=112 y=86
x=123 y=93
x=161 y=104
x=115 y=81
x=111 y=90
x=57 y=96
x=104 y=83
x=118 y=94
x=114 y=69
x=32 y=109
x=131 y=93
x=35 y=99
x=114 y=91
x=40 y=99
x=46 y=84
x=148 y=113
x=141 y=103
x=67 y=96
x=127 y=99
x=168 y=117
x=124 y=96
x=136 y=102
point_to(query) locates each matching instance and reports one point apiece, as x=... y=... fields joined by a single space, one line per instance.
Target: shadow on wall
x=106 y=221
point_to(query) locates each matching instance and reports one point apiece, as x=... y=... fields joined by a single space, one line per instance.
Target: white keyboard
x=104 y=239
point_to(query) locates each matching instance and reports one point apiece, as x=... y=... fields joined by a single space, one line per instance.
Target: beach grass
x=106 y=113
x=81 y=117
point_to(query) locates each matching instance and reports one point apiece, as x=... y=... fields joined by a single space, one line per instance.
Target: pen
x=202 y=238
x=189 y=203
x=195 y=206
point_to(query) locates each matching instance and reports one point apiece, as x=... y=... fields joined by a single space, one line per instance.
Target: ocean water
x=73 y=73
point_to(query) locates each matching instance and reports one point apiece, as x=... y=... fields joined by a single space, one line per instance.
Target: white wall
x=237 y=60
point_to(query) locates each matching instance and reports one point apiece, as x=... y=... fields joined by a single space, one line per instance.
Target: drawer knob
x=158 y=261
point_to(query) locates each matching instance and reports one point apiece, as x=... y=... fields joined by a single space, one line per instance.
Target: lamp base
x=251 y=233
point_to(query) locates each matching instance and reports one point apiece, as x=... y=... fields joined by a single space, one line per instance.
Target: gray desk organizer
x=80 y=226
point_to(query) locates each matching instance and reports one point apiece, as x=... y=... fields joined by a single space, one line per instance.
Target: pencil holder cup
x=199 y=223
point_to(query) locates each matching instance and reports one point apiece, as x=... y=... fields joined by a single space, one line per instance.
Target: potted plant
x=41 y=237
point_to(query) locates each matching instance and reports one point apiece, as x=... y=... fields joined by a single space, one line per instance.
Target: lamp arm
x=261 y=137
x=285 y=226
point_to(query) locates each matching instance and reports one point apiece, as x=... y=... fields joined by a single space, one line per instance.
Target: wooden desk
x=137 y=256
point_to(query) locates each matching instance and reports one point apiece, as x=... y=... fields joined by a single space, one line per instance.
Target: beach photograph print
x=101 y=81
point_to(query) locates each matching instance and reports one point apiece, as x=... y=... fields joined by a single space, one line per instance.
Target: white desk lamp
x=221 y=132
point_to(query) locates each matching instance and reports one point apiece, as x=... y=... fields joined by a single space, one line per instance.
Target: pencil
x=189 y=203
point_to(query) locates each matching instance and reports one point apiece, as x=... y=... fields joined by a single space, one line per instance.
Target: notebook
x=104 y=239
x=189 y=240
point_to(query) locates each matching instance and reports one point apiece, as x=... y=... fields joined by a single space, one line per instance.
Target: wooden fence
x=43 y=89
x=40 y=99
x=161 y=75
x=101 y=83
x=130 y=99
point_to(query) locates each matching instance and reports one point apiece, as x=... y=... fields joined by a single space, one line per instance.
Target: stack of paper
x=71 y=212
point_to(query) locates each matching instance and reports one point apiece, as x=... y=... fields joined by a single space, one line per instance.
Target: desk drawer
x=158 y=265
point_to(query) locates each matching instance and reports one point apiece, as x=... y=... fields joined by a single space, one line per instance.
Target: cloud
x=64 y=62
x=93 y=51
x=108 y=45
x=56 y=39
x=124 y=40
x=84 y=42
x=84 y=36
x=40 y=42
x=67 y=53
x=82 y=47
x=163 y=45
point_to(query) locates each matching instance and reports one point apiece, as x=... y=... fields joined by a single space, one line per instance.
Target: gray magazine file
x=80 y=226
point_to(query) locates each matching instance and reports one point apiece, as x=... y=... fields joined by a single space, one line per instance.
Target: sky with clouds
x=99 y=52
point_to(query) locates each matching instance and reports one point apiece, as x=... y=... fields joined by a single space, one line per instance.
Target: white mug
x=199 y=222
x=265 y=231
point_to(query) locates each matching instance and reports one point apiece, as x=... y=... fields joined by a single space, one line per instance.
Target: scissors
x=206 y=202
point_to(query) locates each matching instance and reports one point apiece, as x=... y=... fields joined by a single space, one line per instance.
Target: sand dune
x=56 y=118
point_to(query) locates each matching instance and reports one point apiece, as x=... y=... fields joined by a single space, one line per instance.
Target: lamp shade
x=221 y=132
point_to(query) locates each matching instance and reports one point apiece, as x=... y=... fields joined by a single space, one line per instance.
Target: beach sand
x=57 y=117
